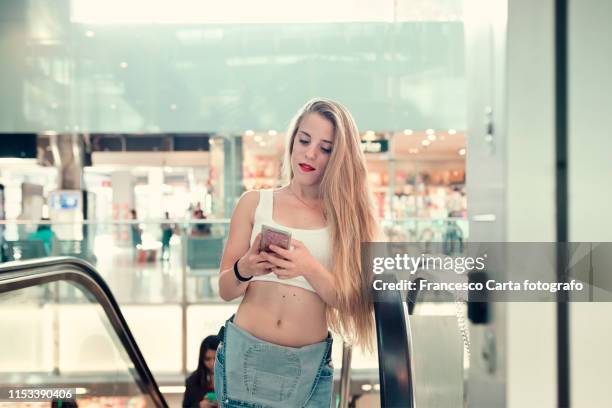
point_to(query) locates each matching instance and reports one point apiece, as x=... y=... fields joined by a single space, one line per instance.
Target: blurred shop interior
x=413 y=174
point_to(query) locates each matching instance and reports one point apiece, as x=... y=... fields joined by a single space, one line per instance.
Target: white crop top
x=316 y=240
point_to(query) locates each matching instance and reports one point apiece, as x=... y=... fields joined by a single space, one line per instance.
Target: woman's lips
x=306 y=168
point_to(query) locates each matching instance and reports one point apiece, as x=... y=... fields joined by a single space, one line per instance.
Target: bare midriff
x=282 y=314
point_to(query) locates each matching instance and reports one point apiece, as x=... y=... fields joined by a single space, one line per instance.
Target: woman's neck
x=306 y=193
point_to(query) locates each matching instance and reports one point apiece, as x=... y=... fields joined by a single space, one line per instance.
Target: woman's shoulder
x=247 y=204
x=249 y=199
x=251 y=196
x=192 y=380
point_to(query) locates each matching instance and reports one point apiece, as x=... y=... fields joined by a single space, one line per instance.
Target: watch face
x=274 y=236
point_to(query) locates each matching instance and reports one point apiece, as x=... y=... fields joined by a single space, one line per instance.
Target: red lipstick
x=306 y=168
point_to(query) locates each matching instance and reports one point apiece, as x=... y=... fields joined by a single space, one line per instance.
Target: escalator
x=423 y=347
x=49 y=309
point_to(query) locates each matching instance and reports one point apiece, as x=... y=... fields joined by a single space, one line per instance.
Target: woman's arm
x=238 y=247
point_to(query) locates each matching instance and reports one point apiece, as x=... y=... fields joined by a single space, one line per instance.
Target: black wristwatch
x=238 y=275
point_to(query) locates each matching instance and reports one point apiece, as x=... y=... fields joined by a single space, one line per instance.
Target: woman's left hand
x=291 y=263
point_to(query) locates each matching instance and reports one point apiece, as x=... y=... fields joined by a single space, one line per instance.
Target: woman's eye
x=302 y=141
x=326 y=150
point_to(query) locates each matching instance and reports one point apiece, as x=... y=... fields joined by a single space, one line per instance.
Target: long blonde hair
x=349 y=213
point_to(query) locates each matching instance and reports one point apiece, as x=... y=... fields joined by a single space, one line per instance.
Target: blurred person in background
x=45 y=234
x=167 y=232
x=200 y=229
x=199 y=386
x=135 y=230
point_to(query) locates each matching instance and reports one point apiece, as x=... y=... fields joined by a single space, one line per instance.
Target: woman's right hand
x=253 y=263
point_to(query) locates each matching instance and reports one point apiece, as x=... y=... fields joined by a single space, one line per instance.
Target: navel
x=278 y=322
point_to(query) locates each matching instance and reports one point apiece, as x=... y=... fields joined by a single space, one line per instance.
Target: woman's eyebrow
x=308 y=134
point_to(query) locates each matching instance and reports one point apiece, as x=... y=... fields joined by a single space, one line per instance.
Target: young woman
x=275 y=351
x=201 y=381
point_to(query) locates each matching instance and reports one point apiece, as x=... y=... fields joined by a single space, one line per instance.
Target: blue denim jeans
x=253 y=373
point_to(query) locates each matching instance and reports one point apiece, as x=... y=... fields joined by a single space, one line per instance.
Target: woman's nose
x=311 y=153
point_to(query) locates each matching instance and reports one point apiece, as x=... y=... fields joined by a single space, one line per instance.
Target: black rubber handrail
x=24 y=274
x=412 y=296
x=394 y=348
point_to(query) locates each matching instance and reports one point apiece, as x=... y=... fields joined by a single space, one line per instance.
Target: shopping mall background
x=162 y=107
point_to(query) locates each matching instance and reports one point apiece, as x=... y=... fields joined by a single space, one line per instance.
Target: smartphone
x=271 y=235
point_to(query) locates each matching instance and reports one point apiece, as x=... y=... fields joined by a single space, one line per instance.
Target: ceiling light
x=258 y=138
x=262 y=144
x=249 y=133
x=89 y=33
x=123 y=65
x=452 y=131
x=272 y=132
x=407 y=132
x=430 y=131
x=431 y=137
x=173 y=106
x=425 y=142
x=366 y=387
x=462 y=152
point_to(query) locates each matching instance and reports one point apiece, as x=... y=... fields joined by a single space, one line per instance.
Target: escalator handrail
x=394 y=348
x=413 y=295
x=24 y=274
